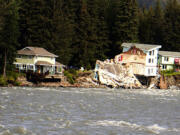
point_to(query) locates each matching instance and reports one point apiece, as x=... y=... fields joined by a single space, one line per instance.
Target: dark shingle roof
x=144 y=47
x=35 y=51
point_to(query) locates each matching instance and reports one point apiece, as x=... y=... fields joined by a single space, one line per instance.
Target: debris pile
x=85 y=80
x=115 y=75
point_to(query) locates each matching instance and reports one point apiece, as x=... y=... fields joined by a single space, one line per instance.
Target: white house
x=151 y=58
x=169 y=60
x=37 y=59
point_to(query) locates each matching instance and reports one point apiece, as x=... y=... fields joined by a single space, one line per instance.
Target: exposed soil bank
x=86 y=81
x=170 y=82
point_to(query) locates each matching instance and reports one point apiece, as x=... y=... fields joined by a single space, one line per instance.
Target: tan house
x=142 y=57
x=36 y=59
x=135 y=58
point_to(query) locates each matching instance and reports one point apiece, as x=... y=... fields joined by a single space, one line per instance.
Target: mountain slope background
x=148 y=3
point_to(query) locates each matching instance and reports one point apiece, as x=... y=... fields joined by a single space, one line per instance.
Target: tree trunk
x=5 y=62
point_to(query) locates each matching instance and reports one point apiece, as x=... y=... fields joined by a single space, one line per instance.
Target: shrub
x=71 y=75
x=11 y=79
x=17 y=83
x=12 y=74
x=169 y=72
x=73 y=72
x=3 y=81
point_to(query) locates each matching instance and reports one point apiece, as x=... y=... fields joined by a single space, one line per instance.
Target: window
x=149 y=71
x=19 y=56
x=149 y=61
x=150 y=53
x=166 y=59
x=29 y=67
x=17 y=65
x=30 y=57
x=164 y=66
x=24 y=66
x=153 y=52
x=152 y=60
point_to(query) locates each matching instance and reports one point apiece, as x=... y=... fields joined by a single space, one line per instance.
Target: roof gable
x=134 y=51
x=36 y=51
x=27 y=49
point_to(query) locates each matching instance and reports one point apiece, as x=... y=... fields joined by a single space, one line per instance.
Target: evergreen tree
x=36 y=24
x=172 y=19
x=151 y=25
x=85 y=42
x=63 y=30
x=126 y=23
x=102 y=48
x=158 y=24
x=9 y=32
x=146 y=32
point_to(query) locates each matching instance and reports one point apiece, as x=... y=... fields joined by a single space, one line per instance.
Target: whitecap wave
x=6 y=132
x=2 y=126
x=155 y=129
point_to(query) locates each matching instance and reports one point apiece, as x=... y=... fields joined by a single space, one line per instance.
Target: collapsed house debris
x=115 y=75
x=122 y=71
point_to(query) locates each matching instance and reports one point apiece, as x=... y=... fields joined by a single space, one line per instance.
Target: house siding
x=47 y=59
x=134 y=58
x=170 y=60
x=25 y=60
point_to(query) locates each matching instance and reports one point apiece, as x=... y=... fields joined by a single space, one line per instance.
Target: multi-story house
x=134 y=58
x=169 y=60
x=143 y=58
x=37 y=59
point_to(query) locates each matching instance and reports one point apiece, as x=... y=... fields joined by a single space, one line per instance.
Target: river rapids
x=79 y=111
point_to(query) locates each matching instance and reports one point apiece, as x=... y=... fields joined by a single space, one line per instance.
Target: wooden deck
x=55 y=76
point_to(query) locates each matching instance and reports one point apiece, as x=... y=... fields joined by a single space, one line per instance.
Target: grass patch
x=169 y=73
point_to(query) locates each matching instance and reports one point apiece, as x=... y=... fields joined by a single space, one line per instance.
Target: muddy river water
x=74 y=111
